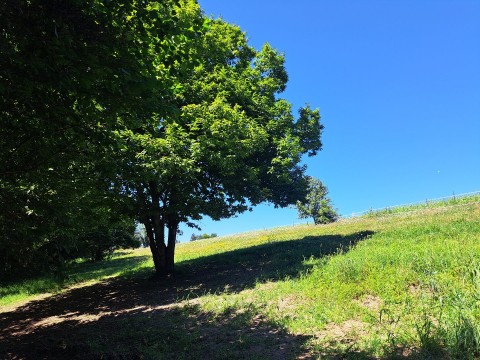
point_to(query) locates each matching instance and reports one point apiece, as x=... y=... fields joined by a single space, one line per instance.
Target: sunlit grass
x=413 y=285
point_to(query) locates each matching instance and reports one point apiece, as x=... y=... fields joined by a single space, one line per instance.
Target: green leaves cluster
x=196 y=237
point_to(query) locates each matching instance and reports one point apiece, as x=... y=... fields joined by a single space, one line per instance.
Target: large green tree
x=71 y=73
x=233 y=143
x=163 y=114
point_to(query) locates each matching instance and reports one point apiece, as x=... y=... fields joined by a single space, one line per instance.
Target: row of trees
x=196 y=237
x=120 y=111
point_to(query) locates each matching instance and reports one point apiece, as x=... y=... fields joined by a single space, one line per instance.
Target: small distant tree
x=317 y=205
x=195 y=237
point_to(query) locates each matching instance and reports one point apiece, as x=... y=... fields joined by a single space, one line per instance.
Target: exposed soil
x=372 y=303
x=347 y=332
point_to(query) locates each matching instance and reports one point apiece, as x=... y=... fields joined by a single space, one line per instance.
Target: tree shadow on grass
x=140 y=318
x=236 y=270
x=157 y=333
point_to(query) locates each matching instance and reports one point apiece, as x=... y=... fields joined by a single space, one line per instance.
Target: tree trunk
x=155 y=229
x=170 y=251
x=159 y=231
x=151 y=242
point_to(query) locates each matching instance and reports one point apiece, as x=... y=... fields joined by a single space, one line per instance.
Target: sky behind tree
x=398 y=87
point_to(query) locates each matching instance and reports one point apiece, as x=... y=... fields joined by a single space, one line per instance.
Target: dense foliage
x=71 y=72
x=113 y=112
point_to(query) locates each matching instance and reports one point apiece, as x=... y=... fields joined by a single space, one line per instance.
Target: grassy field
x=398 y=283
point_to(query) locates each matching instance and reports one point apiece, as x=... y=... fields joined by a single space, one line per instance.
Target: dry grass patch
x=346 y=333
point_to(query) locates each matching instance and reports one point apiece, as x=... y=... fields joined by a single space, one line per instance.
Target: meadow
x=397 y=283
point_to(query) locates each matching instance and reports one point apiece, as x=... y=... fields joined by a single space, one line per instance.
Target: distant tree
x=317 y=205
x=110 y=232
x=195 y=237
x=141 y=236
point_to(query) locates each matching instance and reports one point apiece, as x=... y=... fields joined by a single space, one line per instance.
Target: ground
x=403 y=283
x=143 y=318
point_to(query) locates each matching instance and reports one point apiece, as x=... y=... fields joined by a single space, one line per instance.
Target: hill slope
x=405 y=284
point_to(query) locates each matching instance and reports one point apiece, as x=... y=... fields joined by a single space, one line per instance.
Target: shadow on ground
x=137 y=318
x=236 y=270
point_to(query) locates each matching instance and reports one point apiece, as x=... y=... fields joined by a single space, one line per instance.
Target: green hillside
x=399 y=283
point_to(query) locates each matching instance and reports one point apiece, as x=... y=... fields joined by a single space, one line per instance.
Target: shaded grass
x=158 y=333
x=139 y=318
x=121 y=264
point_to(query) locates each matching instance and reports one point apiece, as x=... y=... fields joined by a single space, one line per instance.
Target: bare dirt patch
x=347 y=332
x=371 y=302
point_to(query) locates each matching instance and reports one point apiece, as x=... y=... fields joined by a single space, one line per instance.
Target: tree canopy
x=71 y=73
x=148 y=110
x=232 y=144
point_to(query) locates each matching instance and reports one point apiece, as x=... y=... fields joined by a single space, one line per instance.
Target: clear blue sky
x=398 y=86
